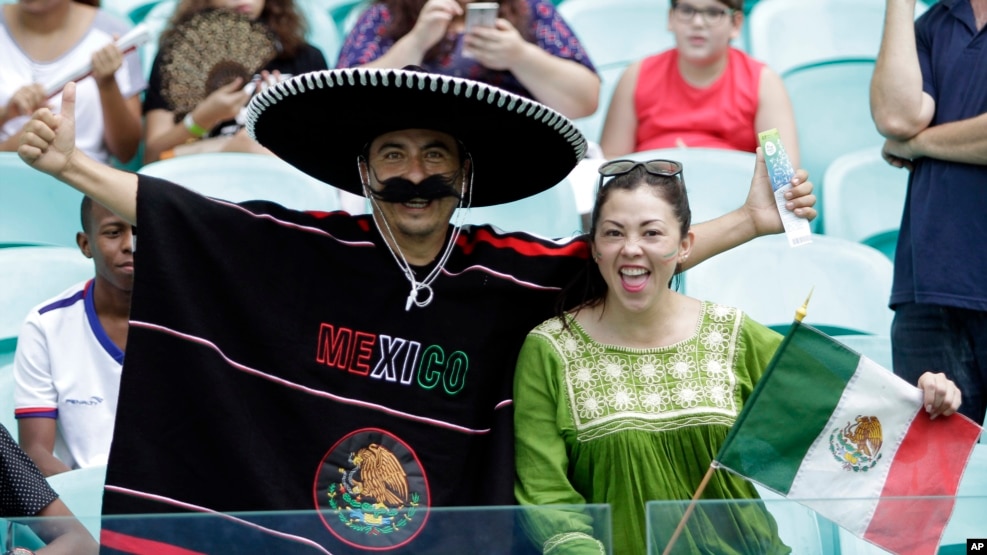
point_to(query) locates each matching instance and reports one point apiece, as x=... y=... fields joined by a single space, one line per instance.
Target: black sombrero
x=320 y=122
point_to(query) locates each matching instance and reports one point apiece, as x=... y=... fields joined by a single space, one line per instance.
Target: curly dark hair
x=404 y=15
x=280 y=16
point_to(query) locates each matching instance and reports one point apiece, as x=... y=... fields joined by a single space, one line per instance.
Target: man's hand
x=941 y=396
x=760 y=204
x=48 y=140
x=898 y=153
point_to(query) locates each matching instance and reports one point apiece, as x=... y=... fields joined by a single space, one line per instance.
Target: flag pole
x=802 y=310
x=799 y=315
x=688 y=510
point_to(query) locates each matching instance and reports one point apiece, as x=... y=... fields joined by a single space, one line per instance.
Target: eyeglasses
x=666 y=168
x=686 y=12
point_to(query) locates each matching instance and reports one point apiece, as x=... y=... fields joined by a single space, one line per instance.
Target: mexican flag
x=846 y=437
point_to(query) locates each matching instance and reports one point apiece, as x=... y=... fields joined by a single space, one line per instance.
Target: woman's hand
x=499 y=47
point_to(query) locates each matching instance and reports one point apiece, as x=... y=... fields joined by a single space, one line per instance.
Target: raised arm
x=758 y=216
x=48 y=145
x=899 y=105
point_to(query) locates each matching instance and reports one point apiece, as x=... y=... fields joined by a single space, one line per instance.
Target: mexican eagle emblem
x=371 y=491
x=858 y=444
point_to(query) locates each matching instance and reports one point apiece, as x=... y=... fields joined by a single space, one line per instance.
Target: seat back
x=82 y=492
x=238 y=177
x=28 y=276
x=864 y=196
x=619 y=31
x=36 y=208
x=551 y=213
x=831 y=102
x=839 y=29
x=716 y=180
x=769 y=280
x=7 y=399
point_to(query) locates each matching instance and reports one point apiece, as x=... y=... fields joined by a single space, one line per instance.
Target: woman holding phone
x=529 y=50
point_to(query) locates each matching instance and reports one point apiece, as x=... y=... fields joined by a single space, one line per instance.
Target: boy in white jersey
x=70 y=353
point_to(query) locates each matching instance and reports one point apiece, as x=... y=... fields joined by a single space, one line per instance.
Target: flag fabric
x=846 y=437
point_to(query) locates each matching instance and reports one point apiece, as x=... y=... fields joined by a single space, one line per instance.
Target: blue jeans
x=932 y=338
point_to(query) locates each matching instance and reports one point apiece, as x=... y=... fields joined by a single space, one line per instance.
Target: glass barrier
x=452 y=530
x=770 y=525
x=748 y=527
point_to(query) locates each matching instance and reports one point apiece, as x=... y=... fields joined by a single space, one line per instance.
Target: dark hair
x=732 y=4
x=93 y=3
x=589 y=288
x=280 y=16
x=404 y=15
x=86 y=214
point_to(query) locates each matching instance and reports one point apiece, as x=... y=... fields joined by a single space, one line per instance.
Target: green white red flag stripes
x=825 y=423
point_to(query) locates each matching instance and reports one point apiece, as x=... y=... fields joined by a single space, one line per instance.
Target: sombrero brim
x=320 y=122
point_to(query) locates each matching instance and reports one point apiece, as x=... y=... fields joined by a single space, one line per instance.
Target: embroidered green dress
x=604 y=424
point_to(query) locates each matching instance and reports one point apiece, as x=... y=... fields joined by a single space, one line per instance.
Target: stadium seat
x=323 y=33
x=36 y=208
x=28 y=276
x=7 y=399
x=717 y=180
x=551 y=213
x=238 y=177
x=789 y=33
x=155 y=15
x=767 y=279
x=82 y=492
x=863 y=198
x=831 y=101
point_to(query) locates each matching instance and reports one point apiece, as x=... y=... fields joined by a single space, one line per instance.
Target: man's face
x=110 y=244
x=415 y=154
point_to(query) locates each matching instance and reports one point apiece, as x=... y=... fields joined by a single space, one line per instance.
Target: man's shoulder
x=71 y=296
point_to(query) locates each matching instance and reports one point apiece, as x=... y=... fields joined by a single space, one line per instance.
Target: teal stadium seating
x=863 y=199
x=28 y=276
x=790 y=33
x=238 y=177
x=82 y=492
x=769 y=280
x=35 y=208
x=831 y=101
x=551 y=213
x=716 y=180
x=7 y=399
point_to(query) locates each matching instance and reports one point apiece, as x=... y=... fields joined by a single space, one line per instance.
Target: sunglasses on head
x=666 y=168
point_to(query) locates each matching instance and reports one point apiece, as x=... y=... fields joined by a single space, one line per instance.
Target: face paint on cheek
x=671 y=255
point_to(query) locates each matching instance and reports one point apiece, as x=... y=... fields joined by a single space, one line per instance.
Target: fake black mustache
x=399 y=189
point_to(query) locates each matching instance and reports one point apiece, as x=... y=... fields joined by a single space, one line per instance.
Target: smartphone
x=480 y=14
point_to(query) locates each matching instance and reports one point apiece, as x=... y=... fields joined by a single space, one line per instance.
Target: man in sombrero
x=362 y=365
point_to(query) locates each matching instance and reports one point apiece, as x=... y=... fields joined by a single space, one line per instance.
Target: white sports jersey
x=18 y=70
x=67 y=368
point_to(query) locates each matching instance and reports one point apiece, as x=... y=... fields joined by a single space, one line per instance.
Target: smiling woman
x=634 y=373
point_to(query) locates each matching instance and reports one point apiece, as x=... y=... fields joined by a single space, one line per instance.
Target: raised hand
x=760 y=203
x=47 y=142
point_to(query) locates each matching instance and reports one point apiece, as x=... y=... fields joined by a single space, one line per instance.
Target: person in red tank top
x=702 y=93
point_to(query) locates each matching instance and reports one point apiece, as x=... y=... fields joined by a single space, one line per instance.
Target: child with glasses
x=702 y=93
x=626 y=398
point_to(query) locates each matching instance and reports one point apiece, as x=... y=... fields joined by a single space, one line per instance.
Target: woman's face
x=703 y=29
x=250 y=8
x=637 y=245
